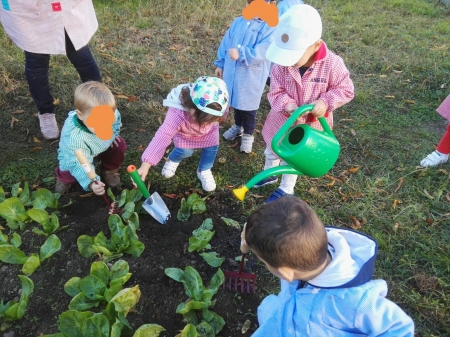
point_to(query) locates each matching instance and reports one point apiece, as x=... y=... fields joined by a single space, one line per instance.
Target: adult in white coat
x=48 y=27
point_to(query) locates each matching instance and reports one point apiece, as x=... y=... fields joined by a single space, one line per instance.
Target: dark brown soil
x=165 y=246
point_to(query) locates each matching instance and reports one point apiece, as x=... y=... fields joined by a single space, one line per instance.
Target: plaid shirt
x=185 y=132
x=444 y=108
x=38 y=26
x=327 y=79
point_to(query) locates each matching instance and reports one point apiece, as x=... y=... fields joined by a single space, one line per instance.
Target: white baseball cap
x=298 y=28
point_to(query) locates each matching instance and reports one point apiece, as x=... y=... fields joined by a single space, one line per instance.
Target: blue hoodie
x=341 y=301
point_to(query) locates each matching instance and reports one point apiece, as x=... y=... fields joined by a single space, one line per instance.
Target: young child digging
x=97 y=136
x=440 y=156
x=192 y=122
x=326 y=277
x=242 y=64
x=305 y=72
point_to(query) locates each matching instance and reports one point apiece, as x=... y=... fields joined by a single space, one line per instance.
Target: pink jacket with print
x=444 y=108
x=327 y=79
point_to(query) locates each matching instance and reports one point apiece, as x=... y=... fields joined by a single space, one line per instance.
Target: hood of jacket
x=173 y=98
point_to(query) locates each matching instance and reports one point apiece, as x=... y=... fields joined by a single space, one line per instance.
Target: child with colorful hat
x=192 y=122
x=241 y=62
x=304 y=72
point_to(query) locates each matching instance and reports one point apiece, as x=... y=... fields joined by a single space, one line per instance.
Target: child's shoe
x=247 y=143
x=433 y=159
x=111 y=177
x=62 y=187
x=207 y=179
x=267 y=181
x=169 y=169
x=233 y=132
x=278 y=193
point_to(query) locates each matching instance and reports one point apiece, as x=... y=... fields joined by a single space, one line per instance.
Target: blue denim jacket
x=342 y=301
x=246 y=77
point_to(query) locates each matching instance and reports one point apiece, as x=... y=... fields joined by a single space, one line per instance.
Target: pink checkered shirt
x=186 y=134
x=444 y=108
x=38 y=26
x=327 y=79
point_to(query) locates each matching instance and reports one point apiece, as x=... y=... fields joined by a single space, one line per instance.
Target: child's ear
x=286 y=273
x=79 y=114
x=317 y=45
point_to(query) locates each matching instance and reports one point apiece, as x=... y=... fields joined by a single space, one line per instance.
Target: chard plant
x=200 y=240
x=193 y=205
x=13 y=209
x=127 y=200
x=102 y=289
x=123 y=240
x=200 y=320
x=13 y=310
x=10 y=252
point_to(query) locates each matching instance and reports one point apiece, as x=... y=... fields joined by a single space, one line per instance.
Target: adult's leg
x=83 y=62
x=207 y=157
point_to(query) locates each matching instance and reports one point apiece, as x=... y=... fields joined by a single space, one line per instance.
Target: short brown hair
x=91 y=94
x=287 y=233
x=200 y=116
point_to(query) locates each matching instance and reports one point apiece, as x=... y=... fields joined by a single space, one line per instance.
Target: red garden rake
x=240 y=281
x=113 y=207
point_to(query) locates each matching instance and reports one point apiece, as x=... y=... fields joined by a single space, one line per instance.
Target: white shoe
x=434 y=159
x=49 y=127
x=169 y=169
x=233 y=132
x=247 y=143
x=207 y=179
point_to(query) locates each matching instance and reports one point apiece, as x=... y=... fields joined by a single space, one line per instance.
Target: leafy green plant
x=193 y=205
x=102 y=289
x=201 y=236
x=16 y=310
x=127 y=200
x=10 y=252
x=201 y=321
x=123 y=240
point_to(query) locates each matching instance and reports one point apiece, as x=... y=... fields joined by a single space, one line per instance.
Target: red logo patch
x=56 y=6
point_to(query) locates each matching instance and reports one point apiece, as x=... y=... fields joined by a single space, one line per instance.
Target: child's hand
x=233 y=53
x=320 y=108
x=116 y=142
x=98 y=187
x=244 y=247
x=218 y=73
x=291 y=107
x=143 y=171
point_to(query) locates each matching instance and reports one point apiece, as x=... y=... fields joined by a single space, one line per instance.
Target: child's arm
x=254 y=55
x=340 y=87
x=279 y=99
x=77 y=171
x=162 y=139
x=223 y=49
x=377 y=316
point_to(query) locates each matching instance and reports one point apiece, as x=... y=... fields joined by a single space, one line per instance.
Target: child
x=305 y=72
x=77 y=134
x=440 y=156
x=242 y=64
x=192 y=123
x=325 y=272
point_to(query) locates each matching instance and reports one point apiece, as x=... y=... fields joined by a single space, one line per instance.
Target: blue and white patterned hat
x=206 y=90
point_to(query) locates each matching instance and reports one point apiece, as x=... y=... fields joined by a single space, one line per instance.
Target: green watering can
x=308 y=151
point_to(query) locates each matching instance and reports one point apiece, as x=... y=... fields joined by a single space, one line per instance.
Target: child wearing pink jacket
x=440 y=156
x=305 y=71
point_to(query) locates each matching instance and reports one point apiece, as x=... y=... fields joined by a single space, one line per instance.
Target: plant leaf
x=193 y=197
x=11 y=254
x=11 y=208
x=119 y=269
x=71 y=321
x=204 y=329
x=184 y=308
x=110 y=194
x=16 y=240
x=216 y=321
x=72 y=287
x=25 y=195
x=81 y=302
x=197 y=243
x=184 y=212
x=212 y=259
x=96 y=326
x=49 y=198
x=149 y=330
x=231 y=222
x=123 y=198
x=101 y=270
x=128 y=210
x=50 y=247
x=31 y=264
x=38 y=215
x=136 y=248
x=135 y=195
x=93 y=287
x=189 y=331
x=134 y=219
x=126 y=299
x=198 y=207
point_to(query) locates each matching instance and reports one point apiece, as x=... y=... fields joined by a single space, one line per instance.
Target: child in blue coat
x=326 y=277
x=242 y=64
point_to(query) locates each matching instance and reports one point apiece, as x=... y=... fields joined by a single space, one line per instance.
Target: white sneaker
x=434 y=159
x=247 y=143
x=233 y=132
x=169 y=169
x=49 y=127
x=207 y=179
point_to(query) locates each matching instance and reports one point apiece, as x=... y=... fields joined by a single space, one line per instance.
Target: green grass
x=394 y=48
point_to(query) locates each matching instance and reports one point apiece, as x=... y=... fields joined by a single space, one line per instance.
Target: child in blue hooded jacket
x=242 y=64
x=326 y=277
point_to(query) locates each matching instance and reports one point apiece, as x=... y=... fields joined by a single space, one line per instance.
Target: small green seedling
x=193 y=205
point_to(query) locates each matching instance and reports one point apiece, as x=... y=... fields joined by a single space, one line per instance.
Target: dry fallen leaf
x=18 y=112
x=245 y=326
x=87 y=195
x=170 y=195
x=353 y=132
x=36 y=139
x=427 y=194
x=331 y=184
x=34 y=149
x=233 y=145
x=257 y=196
x=122 y=96
x=389 y=96
x=140 y=130
x=397 y=226
x=160 y=120
x=133 y=98
x=343 y=196
x=13 y=120
x=396 y=202
x=430 y=221
x=409 y=101
x=397 y=71
x=354 y=169
x=383 y=76
x=56 y=101
x=372 y=155
x=447 y=197
x=346 y=120
x=355 y=223
x=140 y=148
x=400 y=183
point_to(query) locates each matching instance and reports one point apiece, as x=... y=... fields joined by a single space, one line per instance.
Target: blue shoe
x=278 y=193
x=267 y=181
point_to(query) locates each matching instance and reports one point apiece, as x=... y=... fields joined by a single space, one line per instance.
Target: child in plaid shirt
x=304 y=72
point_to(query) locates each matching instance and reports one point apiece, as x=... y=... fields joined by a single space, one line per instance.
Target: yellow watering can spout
x=240 y=192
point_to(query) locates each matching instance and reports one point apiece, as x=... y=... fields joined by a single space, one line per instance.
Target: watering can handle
x=290 y=122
